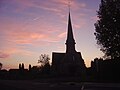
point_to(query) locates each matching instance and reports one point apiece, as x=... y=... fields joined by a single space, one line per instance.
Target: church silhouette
x=69 y=63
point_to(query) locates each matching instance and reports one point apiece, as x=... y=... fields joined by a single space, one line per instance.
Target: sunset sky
x=29 y=28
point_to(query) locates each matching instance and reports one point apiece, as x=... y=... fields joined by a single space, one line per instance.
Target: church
x=71 y=62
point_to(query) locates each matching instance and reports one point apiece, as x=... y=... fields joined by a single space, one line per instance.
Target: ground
x=38 y=85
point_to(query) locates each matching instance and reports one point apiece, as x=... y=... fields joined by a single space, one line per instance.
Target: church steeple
x=71 y=62
x=70 y=42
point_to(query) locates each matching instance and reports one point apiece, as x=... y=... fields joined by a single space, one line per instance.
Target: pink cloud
x=60 y=7
x=26 y=37
x=73 y=3
x=20 y=33
x=4 y=55
x=79 y=24
x=62 y=35
x=15 y=50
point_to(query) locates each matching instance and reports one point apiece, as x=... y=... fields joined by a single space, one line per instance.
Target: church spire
x=70 y=42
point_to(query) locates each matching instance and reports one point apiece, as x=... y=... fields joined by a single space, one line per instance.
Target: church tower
x=69 y=63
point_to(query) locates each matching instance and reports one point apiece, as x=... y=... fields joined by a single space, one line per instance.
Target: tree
x=30 y=67
x=44 y=61
x=20 y=66
x=107 y=28
x=1 y=66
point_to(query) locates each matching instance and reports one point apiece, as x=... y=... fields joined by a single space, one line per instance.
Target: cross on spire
x=69 y=4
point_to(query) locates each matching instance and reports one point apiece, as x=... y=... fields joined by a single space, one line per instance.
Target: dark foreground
x=37 y=85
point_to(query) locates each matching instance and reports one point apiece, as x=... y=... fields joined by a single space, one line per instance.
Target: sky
x=29 y=28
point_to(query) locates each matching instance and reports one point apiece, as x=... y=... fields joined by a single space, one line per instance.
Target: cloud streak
x=4 y=55
x=58 y=7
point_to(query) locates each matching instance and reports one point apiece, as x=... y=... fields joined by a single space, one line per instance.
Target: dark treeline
x=100 y=71
x=34 y=72
x=104 y=70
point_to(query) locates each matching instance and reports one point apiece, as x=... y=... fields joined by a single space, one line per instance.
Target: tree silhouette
x=107 y=28
x=1 y=66
x=20 y=66
x=44 y=59
x=30 y=67
x=45 y=65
